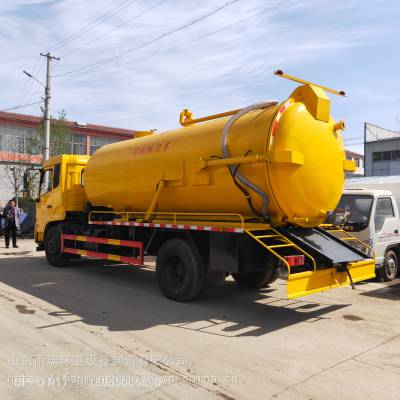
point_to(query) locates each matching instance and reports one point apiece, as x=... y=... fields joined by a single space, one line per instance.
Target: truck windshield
x=352 y=212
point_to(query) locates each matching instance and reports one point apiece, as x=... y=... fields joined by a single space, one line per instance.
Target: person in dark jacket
x=11 y=218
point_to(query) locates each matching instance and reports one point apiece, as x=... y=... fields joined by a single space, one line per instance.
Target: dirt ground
x=99 y=330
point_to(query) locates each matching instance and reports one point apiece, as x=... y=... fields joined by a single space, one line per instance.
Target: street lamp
x=47 y=97
x=32 y=77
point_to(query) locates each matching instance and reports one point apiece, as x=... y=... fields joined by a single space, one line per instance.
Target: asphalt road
x=104 y=331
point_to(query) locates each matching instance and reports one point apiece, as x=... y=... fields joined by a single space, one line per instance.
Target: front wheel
x=179 y=270
x=52 y=247
x=389 y=268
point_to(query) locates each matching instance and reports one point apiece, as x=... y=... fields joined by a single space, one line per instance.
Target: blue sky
x=349 y=45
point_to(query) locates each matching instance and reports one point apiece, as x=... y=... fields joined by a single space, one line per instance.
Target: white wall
x=6 y=192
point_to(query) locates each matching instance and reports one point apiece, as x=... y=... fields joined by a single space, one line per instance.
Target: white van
x=369 y=210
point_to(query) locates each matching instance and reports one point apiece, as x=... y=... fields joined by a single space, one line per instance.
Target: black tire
x=257 y=279
x=390 y=267
x=52 y=247
x=179 y=270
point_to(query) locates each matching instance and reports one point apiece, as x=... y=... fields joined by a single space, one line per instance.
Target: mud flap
x=309 y=282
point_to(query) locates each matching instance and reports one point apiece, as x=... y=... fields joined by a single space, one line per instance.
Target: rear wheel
x=52 y=247
x=257 y=279
x=389 y=268
x=179 y=270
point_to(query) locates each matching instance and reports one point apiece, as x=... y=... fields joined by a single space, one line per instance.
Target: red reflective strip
x=283 y=108
x=69 y=237
x=97 y=240
x=130 y=243
x=72 y=251
x=105 y=256
x=295 y=260
x=175 y=226
x=95 y=254
x=274 y=127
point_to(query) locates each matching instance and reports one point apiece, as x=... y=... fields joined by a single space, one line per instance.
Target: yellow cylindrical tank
x=293 y=152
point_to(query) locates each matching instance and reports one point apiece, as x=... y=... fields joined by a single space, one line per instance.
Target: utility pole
x=46 y=113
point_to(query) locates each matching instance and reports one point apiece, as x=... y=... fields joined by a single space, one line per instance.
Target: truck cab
x=61 y=193
x=372 y=216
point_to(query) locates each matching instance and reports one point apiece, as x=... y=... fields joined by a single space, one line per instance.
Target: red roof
x=353 y=154
x=23 y=119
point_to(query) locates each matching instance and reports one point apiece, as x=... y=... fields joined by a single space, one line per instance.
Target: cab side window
x=56 y=179
x=46 y=181
x=383 y=211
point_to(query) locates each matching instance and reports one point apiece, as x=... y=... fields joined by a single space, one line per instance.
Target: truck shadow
x=126 y=298
x=390 y=291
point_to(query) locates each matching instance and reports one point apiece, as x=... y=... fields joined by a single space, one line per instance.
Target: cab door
x=386 y=226
x=44 y=206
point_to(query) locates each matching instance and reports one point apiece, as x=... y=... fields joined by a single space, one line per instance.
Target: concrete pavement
x=99 y=330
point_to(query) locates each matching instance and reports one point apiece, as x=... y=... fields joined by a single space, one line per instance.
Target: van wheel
x=389 y=268
x=257 y=279
x=52 y=247
x=179 y=270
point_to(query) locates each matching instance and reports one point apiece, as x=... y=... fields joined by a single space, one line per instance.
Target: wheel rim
x=52 y=247
x=391 y=267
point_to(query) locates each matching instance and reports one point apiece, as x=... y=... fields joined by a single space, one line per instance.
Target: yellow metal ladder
x=263 y=236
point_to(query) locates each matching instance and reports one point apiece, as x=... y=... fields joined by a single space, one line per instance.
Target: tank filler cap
x=185 y=117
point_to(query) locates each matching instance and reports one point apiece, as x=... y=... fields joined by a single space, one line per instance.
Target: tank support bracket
x=154 y=201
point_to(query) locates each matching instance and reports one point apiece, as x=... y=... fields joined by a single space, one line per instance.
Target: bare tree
x=19 y=173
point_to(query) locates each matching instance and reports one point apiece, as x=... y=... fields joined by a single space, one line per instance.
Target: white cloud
x=226 y=70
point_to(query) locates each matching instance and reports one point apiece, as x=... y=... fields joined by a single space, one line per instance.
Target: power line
x=73 y=36
x=162 y=36
x=112 y=30
x=27 y=85
x=18 y=107
x=199 y=38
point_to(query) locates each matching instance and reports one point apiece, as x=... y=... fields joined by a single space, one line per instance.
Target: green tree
x=60 y=135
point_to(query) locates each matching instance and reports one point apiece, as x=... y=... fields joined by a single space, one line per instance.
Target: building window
x=79 y=144
x=393 y=155
x=17 y=139
x=98 y=141
x=377 y=156
x=357 y=160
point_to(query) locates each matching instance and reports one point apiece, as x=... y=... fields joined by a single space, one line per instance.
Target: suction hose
x=226 y=153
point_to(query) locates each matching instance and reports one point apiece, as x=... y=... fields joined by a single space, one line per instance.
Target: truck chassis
x=199 y=250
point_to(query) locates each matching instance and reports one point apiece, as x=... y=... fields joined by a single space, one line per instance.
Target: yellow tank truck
x=240 y=193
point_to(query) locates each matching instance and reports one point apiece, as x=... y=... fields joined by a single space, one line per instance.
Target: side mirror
x=37 y=200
